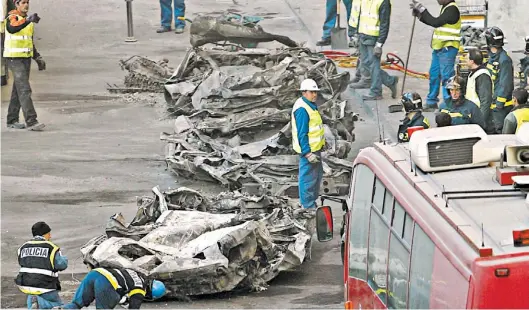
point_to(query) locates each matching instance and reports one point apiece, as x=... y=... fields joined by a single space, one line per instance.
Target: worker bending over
x=502 y=73
x=40 y=261
x=519 y=114
x=371 y=22
x=479 y=87
x=445 y=44
x=112 y=286
x=19 y=49
x=308 y=141
x=412 y=103
x=461 y=110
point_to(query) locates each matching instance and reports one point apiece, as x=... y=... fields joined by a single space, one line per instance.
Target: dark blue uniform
x=502 y=73
x=465 y=113
x=414 y=118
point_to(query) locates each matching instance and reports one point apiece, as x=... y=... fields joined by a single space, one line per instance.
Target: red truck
x=439 y=222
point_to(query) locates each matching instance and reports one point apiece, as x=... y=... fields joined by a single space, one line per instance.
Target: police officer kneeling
x=40 y=261
x=112 y=286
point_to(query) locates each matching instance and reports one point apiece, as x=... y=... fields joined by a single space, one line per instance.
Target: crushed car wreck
x=233 y=113
x=203 y=245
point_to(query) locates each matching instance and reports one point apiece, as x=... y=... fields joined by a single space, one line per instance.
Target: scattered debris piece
x=203 y=245
x=471 y=36
x=144 y=75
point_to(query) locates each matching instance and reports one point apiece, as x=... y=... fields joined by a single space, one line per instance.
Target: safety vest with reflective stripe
x=471 y=93
x=369 y=23
x=522 y=116
x=354 y=19
x=316 y=131
x=126 y=282
x=20 y=44
x=37 y=274
x=447 y=34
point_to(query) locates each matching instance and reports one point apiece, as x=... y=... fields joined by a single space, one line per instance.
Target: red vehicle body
x=409 y=246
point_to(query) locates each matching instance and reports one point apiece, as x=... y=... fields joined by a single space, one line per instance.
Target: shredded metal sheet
x=203 y=245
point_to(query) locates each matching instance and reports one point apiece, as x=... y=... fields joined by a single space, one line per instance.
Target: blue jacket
x=302 y=125
x=466 y=113
x=500 y=67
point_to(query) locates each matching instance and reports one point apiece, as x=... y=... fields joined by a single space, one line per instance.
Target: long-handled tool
x=397 y=107
x=338 y=34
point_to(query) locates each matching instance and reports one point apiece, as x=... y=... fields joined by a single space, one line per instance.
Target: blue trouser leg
x=447 y=61
x=167 y=16
x=378 y=76
x=310 y=176
x=348 y=4
x=179 y=11
x=435 y=80
x=46 y=300
x=330 y=18
x=94 y=287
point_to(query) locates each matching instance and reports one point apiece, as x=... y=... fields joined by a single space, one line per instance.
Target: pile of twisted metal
x=203 y=245
x=233 y=112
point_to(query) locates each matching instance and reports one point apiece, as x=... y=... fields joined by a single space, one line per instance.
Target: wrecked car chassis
x=233 y=114
x=203 y=245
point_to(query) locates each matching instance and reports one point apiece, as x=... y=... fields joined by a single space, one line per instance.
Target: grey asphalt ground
x=99 y=151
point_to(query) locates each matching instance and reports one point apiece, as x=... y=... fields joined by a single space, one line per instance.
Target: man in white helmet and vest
x=445 y=44
x=480 y=87
x=308 y=141
x=18 y=51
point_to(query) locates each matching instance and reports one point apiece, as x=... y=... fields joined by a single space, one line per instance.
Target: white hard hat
x=309 y=84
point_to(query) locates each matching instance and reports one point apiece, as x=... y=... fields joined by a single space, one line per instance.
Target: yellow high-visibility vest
x=522 y=116
x=448 y=34
x=471 y=93
x=316 y=131
x=369 y=23
x=20 y=44
x=354 y=19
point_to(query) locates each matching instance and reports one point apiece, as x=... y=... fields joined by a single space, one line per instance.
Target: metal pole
x=130 y=27
x=408 y=57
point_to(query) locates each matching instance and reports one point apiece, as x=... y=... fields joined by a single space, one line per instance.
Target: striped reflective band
x=39 y=271
x=17 y=50
x=13 y=37
x=446 y=38
x=109 y=277
x=33 y=290
x=449 y=30
x=136 y=291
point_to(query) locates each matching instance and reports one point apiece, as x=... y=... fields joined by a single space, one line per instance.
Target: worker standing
x=461 y=110
x=502 y=74
x=371 y=21
x=19 y=49
x=519 y=114
x=479 y=87
x=308 y=141
x=112 y=286
x=330 y=21
x=167 y=14
x=445 y=44
x=2 y=33
x=361 y=71
x=40 y=261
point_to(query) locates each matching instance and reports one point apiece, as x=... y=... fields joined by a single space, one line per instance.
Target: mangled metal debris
x=202 y=245
x=144 y=75
x=233 y=113
x=474 y=37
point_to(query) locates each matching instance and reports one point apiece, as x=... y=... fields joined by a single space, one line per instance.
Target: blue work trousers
x=330 y=17
x=309 y=179
x=167 y=13
x=94 y=286
x=441 y=69
x=47 y=300
x=372 y=64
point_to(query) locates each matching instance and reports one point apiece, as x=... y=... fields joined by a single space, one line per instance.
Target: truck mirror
x=324 y=224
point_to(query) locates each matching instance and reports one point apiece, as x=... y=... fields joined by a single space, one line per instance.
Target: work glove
x=312 y=158
x=353 y=42
x=417 y=7
x=34 y=18
x=40 y=63
x=378 y=50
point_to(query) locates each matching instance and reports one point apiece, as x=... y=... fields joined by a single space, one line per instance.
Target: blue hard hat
x=157 y=289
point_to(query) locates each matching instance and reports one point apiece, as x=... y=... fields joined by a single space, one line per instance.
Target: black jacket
x=450 y=16
x=417 y=119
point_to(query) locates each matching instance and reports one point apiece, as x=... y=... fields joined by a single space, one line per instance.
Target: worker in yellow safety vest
x=18 y=51
x=2 y=30
x=445 y=44
x=308 y=141
x=519 y=114
x=479 y=87
x=369 y=21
